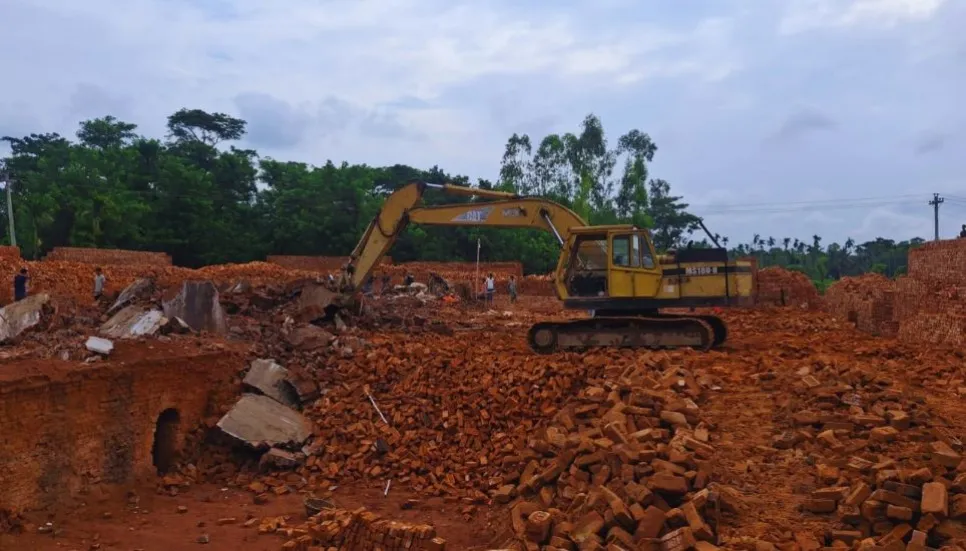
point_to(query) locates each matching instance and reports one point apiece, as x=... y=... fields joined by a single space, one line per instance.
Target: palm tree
x=786 y=241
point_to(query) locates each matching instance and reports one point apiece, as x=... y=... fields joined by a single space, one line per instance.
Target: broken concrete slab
x=258 y=421
x=140 y=288
x=17 y=317
x=270 y=379
x=132 y=322
x=198 y=305
x=309 y=337
x=99 y=345
x=316 y=302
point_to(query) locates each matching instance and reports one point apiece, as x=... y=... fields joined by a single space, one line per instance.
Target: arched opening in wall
x=853 y=317
x=166 y=440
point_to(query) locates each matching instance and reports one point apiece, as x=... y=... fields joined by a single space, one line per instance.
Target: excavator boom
x=401 y=208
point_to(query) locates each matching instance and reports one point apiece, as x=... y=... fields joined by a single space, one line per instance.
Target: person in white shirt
x=490 y=288
x=99 y=280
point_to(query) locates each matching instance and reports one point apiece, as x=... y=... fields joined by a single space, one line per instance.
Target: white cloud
x=806 y=15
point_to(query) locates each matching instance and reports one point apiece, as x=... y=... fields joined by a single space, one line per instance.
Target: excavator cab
x=615 y=261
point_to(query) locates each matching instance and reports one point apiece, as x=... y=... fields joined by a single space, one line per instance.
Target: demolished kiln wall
x=867 y=301
x=116 y=257
x=316 y=263
x=66 y=428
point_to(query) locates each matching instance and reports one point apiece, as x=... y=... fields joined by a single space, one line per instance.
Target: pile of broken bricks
x=890 y=473
x=360 y=530
x=626 y=465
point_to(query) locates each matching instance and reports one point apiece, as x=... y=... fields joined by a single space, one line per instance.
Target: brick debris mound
x=780 y=287
x=868 y=301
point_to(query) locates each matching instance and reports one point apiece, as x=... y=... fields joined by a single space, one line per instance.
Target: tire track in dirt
x=745 y=461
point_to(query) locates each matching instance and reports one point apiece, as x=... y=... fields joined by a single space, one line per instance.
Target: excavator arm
x=505 y=210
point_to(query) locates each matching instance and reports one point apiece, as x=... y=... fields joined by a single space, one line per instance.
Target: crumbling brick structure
x=67 y=427
x=315 y=263
x=115 y=257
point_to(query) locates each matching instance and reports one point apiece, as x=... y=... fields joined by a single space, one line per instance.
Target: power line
x=810 y=202
x=801 y=208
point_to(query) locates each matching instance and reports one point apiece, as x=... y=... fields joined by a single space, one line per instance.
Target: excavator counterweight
x=612 y=271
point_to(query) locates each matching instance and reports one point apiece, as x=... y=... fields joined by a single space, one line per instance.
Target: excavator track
x=656 y=331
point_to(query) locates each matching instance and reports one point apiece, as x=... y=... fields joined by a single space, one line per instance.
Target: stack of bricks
x=115 y=257
x=867 y=301
x=928 y=305
x=780 y=287
x=360 y=530
x=934 y=306
x=325 y=264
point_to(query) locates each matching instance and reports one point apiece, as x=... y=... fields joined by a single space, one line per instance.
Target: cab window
x=622 y=251
x=635 y=251
x=647 y=261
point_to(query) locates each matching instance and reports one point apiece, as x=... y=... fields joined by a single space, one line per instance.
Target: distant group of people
x=489 y=288
x=21 y=283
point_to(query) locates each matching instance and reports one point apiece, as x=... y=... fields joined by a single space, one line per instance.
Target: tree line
x=198 y=197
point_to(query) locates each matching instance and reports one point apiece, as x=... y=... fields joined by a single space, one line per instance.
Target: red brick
x=935 y=499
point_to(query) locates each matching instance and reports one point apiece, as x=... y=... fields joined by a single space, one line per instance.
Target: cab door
x=632 y=270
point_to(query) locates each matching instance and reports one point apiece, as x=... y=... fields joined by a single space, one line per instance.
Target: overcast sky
x=787 y=105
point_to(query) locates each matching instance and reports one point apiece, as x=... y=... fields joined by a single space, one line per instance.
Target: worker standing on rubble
x=386 y=280
x=99 y=280
x=513 y=288
x=20 y=285
x=490 y=288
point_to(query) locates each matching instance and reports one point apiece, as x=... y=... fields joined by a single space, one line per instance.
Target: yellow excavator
x=611 y=270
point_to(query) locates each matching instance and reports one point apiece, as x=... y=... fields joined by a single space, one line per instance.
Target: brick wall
x=65 y=427
x=8 y=252
x=108 y=256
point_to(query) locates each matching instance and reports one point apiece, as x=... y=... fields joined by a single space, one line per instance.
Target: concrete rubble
x=258 y=421
x=198 y=305
x=139 y=289
x=315 y=302
x=271 y=379
x=99 y=345
x=133 y=321
x=17 y=317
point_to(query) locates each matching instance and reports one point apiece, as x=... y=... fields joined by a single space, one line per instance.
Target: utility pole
x=936 y=201
x=8 y=183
